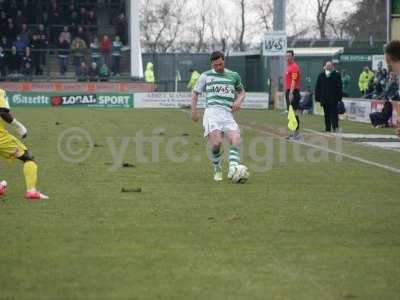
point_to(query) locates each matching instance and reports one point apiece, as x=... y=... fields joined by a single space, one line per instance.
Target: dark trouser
x=331 y=117
x=115 y=65
x=77 y=63
x=377 y=119
x=106 y=59
x=63 y=61
x=295 y=104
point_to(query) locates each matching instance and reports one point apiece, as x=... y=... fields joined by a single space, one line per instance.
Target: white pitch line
x=352 y=157
x=365 y=144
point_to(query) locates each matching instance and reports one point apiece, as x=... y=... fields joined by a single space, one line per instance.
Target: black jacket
x=328 y=90
x=387 y=110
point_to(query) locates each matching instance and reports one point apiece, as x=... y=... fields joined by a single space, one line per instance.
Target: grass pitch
x=304 y=229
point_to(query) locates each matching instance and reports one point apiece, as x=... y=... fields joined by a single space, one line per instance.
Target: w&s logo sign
x=275 y=44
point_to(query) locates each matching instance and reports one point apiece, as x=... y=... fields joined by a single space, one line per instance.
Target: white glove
x=20 y=128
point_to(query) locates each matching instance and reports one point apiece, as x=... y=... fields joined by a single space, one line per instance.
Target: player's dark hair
x=291 y=52
x=393 y=50
x=217 y=55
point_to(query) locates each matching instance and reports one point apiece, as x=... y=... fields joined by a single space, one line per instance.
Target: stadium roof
x=318 y=51
x=301 y=52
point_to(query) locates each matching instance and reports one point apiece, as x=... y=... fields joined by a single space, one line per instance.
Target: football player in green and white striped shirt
x=224 y=95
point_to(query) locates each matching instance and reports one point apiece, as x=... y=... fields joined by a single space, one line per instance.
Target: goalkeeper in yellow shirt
x=12 y=148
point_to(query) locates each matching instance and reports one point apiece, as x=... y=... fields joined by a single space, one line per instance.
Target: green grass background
x=302 y=230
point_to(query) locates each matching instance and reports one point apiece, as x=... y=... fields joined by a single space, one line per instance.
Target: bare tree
x=239 y=40
x=368 y=20
x=200 y=26
x=322 y=13
x=161 y=23
x=264 y=11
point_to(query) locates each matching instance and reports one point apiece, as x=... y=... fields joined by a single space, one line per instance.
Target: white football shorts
x=218 y=118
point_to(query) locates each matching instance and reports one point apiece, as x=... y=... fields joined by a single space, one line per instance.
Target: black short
x=296 y=99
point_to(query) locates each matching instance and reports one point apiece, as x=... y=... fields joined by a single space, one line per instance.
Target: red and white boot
x=35 y=195
x=3 y=188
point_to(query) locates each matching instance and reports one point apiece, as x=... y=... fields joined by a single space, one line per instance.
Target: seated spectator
x=381 y=119
x=116 y=55
x=63 y=53
x=27 y=64
x=392 y=87
x=65 y=35
x=2 y=64
x=105 y=48
x=82 y=74
x=78 y=51
x=94 y=72
x=13 y=61
x=95 y=50
x=377 y=89
x=104 y=73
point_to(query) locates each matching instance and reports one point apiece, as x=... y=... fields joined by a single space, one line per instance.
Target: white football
x=241 y=174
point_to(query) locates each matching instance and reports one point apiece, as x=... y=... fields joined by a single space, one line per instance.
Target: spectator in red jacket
x=105 y=48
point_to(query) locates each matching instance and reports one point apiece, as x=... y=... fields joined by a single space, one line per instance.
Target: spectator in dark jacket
x=13 y=61
x=92 y=21
x=44 y=43
x=11 y=31
x=3 y=64
x=381 y=119
x=63 y=54
x=71 y=13
x=36 y=55
x=116 y=55
x=25 y=34
x=82 y=74
x=26 y=62
x=82 y=16
x=392 y=87
x=328 y=92
x=82 y=34
x=120 y=28
x=94 y=72
x=20 y=19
